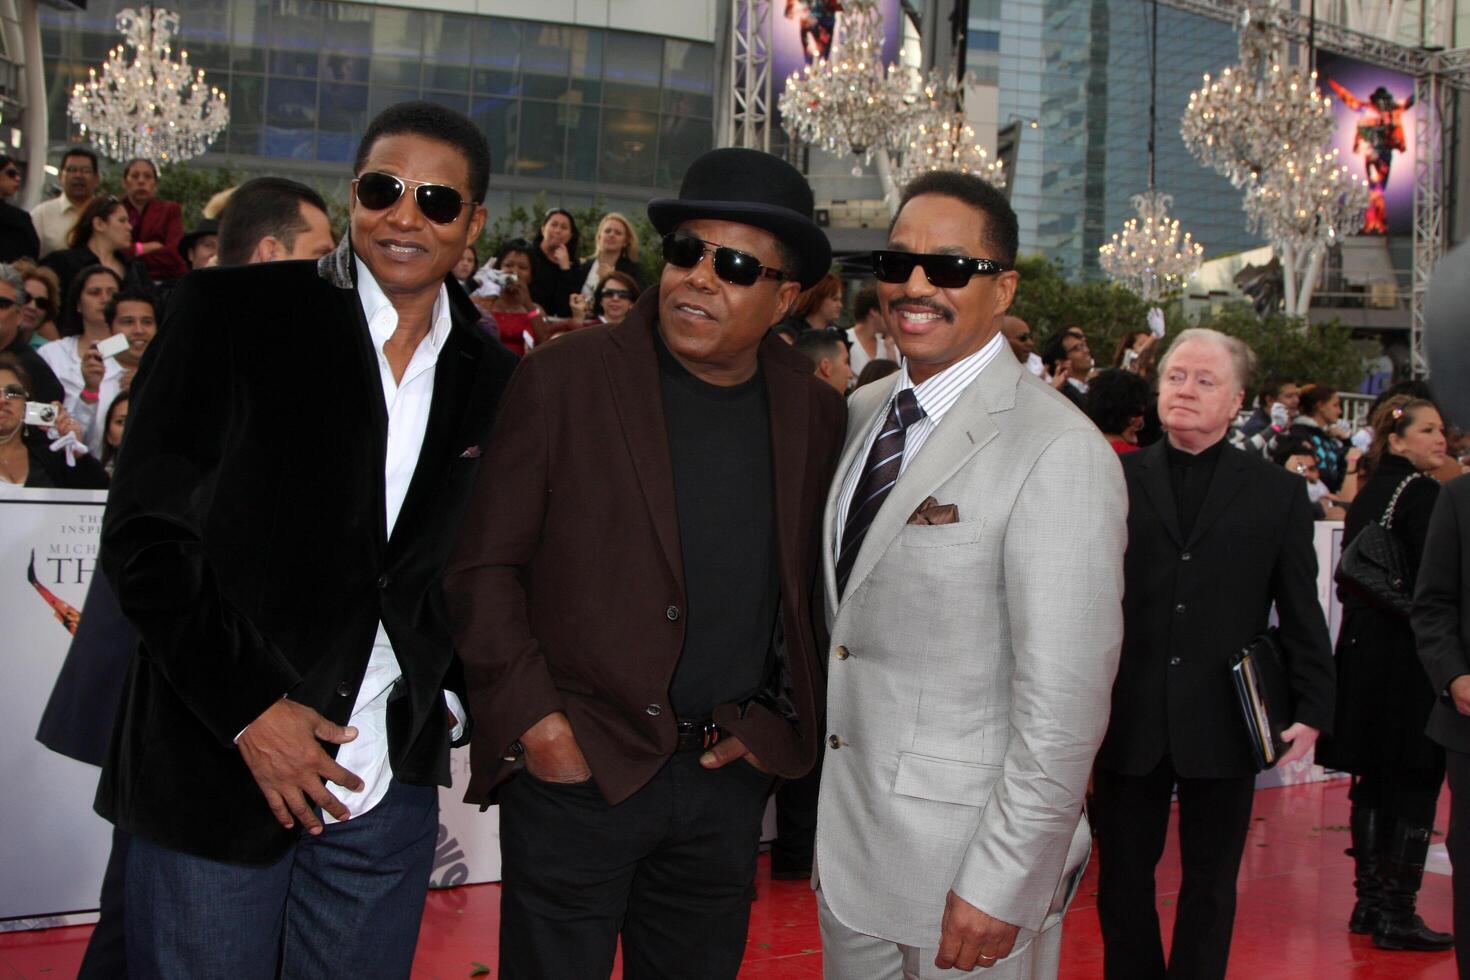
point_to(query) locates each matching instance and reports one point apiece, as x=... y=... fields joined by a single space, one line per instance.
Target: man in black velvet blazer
x=278 y=545
x=1442 y=629
x=1215 y=537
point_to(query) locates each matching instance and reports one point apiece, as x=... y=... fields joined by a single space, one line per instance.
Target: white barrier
x=53 y=848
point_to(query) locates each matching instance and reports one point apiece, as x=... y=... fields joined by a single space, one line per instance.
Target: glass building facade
x=1080 y=69
x=580 y=113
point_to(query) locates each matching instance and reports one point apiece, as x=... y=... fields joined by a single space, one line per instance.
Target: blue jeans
x=346 y=903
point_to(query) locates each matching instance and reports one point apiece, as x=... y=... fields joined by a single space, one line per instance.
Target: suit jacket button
x=654 y=710
x=344 y=689
x=1174 y=661
x=672 y=612
x=383 y=581
x=841 y=653
x=1179 y=607
x=1185 y=557
x=835 y=742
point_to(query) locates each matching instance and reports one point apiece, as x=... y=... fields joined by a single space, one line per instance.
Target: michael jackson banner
x=1375 y=116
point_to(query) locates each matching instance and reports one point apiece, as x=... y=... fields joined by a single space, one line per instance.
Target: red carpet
x=1295 y=895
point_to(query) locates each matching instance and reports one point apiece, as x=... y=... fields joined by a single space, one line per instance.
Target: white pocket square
x=471 y=453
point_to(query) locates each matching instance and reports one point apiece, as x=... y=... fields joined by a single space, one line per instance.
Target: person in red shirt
x=157 y=224
x=1117 y=401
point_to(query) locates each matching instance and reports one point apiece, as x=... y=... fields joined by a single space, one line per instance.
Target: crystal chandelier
x=1303 y=206
x=1239 y=122
x=1152 y=256
x=848 y=102
x=152 y=106
x=938 y=136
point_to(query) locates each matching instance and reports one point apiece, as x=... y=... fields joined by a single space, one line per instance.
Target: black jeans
x=671 y=867
x=1457 y=765
x=1411 y=795
x=1132 y=819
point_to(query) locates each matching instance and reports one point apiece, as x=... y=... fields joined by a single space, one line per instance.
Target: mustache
x=924 y=302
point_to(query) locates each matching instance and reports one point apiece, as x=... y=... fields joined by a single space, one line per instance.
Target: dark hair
x=619 y=278
x=71 y=318
x=109 y=451
x=6 y=160
x=1314 y=397
x=98 y=207
x=865 y=302
x=1125 y=344
x=817 y=344
x=1270 y=388
x=1414 y=387
x=1002 y=232
x=515 y=245
x=1113 y=398
x=129 y=294
x=432 y=122
x=1289 y=446
x=1055 y=348
x=81 y=151
x=151 y=166
x=1393 y=417
x=9 y=362
x=874 y=370
x=261 y=208
x=43 y=274
x=812 y=299
x=573 y=243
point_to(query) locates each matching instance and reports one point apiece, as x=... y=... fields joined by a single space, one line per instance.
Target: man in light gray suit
x=973 y=648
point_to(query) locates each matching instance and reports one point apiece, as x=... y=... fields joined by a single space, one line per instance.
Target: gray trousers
x=851 y=955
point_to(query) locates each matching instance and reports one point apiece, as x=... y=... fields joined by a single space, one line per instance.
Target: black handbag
x=1375 y=565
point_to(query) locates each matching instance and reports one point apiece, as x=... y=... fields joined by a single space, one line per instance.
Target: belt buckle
x=710 y=733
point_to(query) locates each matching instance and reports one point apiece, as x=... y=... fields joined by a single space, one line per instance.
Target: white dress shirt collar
x=382 y=318
x=938 y=394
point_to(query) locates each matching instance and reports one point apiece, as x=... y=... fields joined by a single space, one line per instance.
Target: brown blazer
x=567 y=592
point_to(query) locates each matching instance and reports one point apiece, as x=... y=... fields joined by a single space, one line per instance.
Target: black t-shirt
x=1189 y=477
x=720 y=445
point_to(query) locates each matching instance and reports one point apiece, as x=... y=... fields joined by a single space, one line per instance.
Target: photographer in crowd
x=26 y=456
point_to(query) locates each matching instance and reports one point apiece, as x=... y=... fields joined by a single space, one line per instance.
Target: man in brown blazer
x=632 y=598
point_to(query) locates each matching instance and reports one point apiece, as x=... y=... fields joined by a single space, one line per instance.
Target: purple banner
x=1375 y=118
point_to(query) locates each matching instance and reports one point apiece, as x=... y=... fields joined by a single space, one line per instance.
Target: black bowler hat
x=752 y=188
x=205 y=228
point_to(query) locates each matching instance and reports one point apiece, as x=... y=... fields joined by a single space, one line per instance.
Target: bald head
x=1018 y=334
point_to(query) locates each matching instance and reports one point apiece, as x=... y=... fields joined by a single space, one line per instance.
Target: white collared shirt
x=64 y=358
x=936 y=397
x=408 y=403
x=53 y=220
x=1080 y=385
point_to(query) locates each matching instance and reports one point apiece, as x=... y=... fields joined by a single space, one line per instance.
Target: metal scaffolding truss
x=1435 y=73
x=749 y=112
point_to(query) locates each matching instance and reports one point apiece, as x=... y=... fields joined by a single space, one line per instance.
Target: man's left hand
x=1301 y=738
x=726 y=751
x=969 y=938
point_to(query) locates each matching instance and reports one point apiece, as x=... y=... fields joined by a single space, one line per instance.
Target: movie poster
x=801 y=32
x=1375 y=117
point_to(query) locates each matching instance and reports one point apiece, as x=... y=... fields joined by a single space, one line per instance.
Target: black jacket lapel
x=1153 y=473
x=1228 y=480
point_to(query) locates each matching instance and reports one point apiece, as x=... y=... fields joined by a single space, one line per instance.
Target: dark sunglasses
x=16 y=392
x=616 y=294
x=944 y=271
x=7 y=304
x=440 y=203
x=40 y=301
x=11 y=172
x=734 y=267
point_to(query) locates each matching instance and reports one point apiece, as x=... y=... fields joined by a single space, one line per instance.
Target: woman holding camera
x=1383 y=694
x=26 y=457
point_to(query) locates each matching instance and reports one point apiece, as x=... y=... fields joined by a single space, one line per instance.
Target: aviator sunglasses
x=944 y=271
x=734 y=267
x=440 y=203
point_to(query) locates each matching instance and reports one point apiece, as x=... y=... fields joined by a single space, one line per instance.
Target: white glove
x=1156 y=322
x=1279 y=416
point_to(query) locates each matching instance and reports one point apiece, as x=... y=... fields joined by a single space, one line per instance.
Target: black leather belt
x=698 y=735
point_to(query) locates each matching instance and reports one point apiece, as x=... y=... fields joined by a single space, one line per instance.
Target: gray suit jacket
x=971 y=666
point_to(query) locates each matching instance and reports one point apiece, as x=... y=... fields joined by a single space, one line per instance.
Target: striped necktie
x=880 y=473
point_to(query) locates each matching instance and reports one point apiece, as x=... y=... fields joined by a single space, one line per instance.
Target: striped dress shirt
x=936 y=396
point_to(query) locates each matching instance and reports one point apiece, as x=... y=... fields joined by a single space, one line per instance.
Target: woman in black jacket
x=26 y=457
x=1383 y=695
x=555 y=274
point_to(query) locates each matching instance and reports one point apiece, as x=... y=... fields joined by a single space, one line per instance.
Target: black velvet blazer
x=245 y=537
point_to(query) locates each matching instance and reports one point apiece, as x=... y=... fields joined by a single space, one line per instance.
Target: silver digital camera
x=40 y=413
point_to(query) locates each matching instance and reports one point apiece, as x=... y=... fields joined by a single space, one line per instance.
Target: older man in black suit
x=276 y=533
x=1442 y=629
x=1215 y=538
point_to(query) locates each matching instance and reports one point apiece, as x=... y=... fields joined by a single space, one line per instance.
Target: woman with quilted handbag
x=1383 y=695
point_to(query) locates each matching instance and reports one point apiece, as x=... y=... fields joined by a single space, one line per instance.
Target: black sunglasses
x=14 y=391
x=440 y=203
x=41 y=301
x=11 y=172
x=734 y=267
x=944 y=271
x=616 y=294
x=7 y=303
